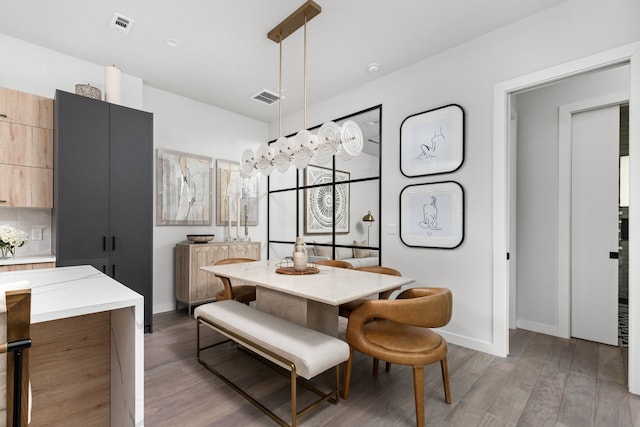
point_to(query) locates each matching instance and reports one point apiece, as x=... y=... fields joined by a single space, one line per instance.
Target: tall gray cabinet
x=103 y=191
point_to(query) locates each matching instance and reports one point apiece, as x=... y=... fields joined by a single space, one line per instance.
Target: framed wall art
x=236 y=197
x=319 y=204
x=432 y=142
x=432 y=215
x=183 y=188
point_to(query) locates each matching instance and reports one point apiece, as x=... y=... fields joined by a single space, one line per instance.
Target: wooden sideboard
x=193 y=285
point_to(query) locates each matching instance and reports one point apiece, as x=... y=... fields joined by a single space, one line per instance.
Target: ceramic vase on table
x=300 y=256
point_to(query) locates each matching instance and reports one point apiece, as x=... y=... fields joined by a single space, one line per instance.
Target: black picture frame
x=432 y=215
x=432 y=142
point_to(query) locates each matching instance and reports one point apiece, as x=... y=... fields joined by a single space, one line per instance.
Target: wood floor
x=546 y=381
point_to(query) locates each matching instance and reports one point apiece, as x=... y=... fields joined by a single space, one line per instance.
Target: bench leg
x=294 y=411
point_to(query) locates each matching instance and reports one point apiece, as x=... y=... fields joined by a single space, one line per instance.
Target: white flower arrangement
x=10 y=238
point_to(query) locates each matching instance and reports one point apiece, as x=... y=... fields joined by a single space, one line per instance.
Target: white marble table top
x=62 y=292
x=333 y=286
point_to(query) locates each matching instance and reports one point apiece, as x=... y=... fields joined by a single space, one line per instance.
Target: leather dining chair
x=241 y=293
x=335 y=263
x=398 y=331
x=345 y=309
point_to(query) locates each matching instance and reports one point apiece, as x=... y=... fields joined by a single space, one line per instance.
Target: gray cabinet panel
x=103 y=191
x=81 y=178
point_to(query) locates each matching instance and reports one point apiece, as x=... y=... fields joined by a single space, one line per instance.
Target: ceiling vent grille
x=121 y=23
x=266 y=97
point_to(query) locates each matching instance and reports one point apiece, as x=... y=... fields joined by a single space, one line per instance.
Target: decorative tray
x=285 y=266
x=293 y=271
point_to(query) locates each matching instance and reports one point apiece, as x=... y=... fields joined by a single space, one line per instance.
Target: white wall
x=466 y=75
x=536 y=254
x=186 y=125
x=179 y=124
x=33 y=69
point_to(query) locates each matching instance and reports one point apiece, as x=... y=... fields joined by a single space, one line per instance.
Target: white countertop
x=333 y=286
x=35 y=259
x=58 y=293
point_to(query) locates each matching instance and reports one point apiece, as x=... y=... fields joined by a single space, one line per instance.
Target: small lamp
x=370 y=219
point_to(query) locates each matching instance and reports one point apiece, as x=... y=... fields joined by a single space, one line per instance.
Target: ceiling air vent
x=121 y=23
x=266 y=97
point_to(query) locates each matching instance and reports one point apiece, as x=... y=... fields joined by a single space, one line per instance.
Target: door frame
x=565 y=113
x=630 y=54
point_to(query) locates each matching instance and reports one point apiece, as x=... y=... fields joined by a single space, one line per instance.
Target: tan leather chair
x=335 y=263
x=345 y=309
x=397 y=331
x=241 y=293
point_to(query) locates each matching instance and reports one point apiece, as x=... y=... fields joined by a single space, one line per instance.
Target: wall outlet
x=392 y=229
x=36 y=233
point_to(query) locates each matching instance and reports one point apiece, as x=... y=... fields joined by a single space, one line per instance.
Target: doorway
x=542 y=223
x=628 y=54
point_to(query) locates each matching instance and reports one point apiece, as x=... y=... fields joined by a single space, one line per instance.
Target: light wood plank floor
x=546 y=381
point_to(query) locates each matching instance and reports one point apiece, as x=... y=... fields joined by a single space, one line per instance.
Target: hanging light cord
x=305 y=72
x=280 y=89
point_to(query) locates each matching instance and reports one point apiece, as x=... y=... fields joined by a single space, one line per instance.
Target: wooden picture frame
x=432 y=142
x=183 y=188
x=241 y=191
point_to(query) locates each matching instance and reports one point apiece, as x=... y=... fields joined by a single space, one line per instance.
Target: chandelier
x=331 y=139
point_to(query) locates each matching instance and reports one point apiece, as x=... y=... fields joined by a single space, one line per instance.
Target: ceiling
x=225 y=57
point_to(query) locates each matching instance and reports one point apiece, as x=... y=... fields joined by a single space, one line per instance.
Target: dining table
x=310 y=299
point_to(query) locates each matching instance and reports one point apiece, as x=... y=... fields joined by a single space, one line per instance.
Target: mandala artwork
x=321 y=204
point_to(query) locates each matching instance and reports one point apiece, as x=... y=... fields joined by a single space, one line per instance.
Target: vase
x=300 y=261
x=6 y=251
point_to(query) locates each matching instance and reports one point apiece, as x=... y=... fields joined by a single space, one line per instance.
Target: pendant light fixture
x=331 y=139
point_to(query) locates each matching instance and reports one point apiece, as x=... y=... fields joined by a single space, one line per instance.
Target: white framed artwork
x=432 y=215
x=432 y=142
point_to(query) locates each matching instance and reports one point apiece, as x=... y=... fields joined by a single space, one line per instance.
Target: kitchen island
x=87 y=357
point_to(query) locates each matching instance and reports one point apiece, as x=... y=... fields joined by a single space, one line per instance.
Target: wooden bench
x=302 y=351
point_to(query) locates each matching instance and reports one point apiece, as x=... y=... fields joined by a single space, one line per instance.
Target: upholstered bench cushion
x=311 y=351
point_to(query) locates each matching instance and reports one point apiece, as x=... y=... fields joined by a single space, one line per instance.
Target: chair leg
x=347 y=375
x=387 y=366
x=376 y=364
x=444 y=365
x=418 y=390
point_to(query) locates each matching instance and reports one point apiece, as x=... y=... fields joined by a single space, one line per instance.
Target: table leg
x=312 y=314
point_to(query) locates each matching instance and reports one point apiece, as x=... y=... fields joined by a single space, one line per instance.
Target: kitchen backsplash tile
x=28 y=220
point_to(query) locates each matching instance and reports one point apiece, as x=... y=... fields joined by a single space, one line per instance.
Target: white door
x=594 y=224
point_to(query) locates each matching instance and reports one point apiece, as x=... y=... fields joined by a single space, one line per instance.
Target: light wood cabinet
x=194 y=286
x=26 y=150
x=22 y=267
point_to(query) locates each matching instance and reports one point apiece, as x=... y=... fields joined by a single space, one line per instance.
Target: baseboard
x=471 y=343
x=163 y=308
x=541 y=328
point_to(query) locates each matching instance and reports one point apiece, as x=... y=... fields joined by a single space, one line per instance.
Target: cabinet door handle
x=3 y=201
x=4 y=116
x=104 y=268
x=113 y=243
x=113 y=271
x=104 y=243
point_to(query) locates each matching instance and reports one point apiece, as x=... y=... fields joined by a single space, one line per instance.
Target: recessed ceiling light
x=373 y=67
x=171 y=42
